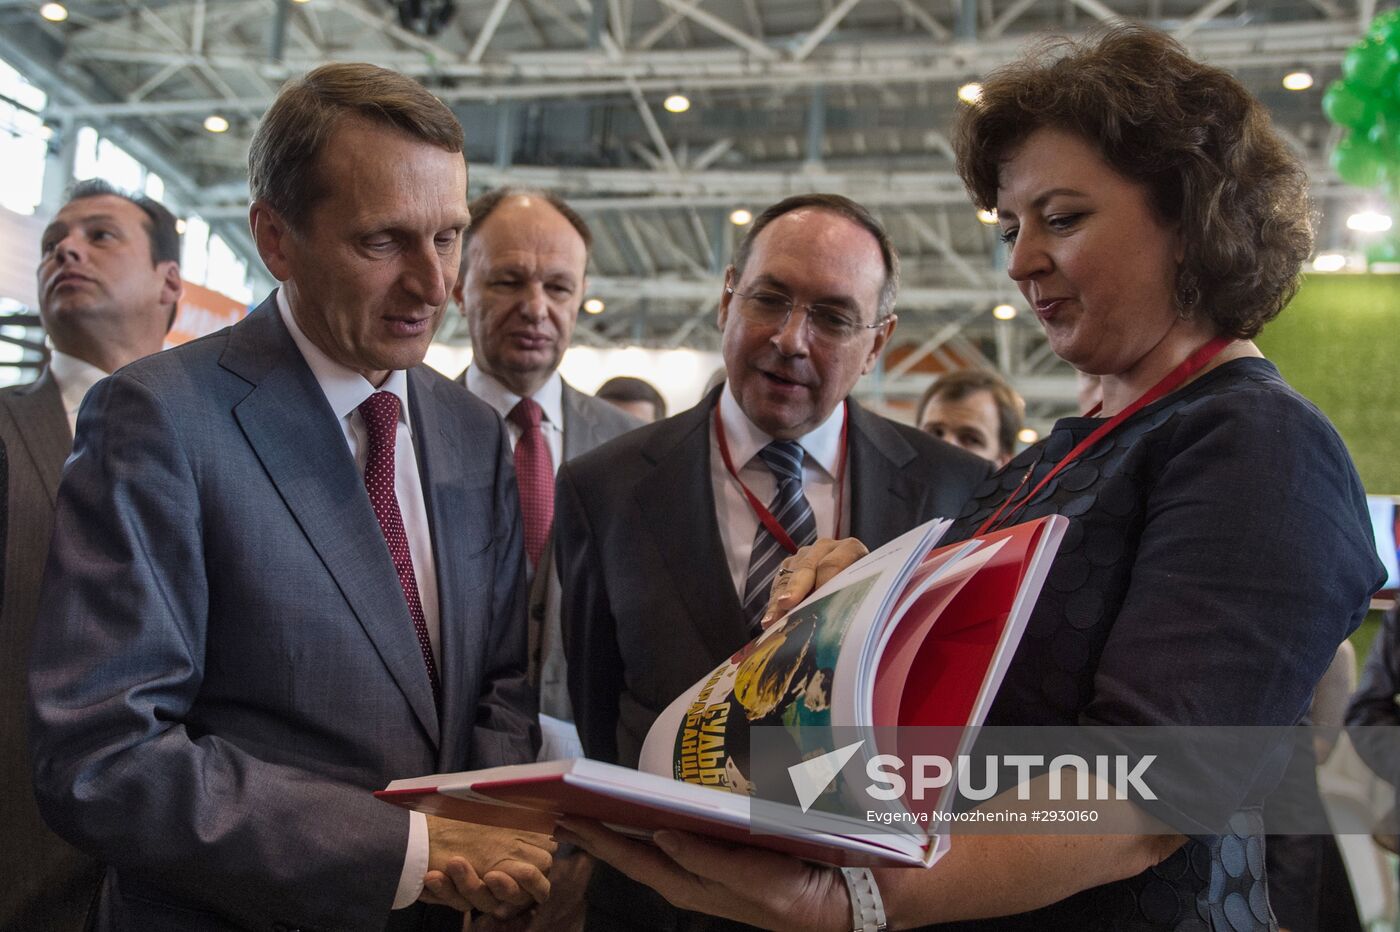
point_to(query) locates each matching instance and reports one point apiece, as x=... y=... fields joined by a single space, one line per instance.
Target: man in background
x=524 y=277
x=108 y=284
x=974 y=410
x=286 y=567
x=665 y=565
x=637 y=397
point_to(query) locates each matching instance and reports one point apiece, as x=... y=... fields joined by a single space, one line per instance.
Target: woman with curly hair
x=1218 y=546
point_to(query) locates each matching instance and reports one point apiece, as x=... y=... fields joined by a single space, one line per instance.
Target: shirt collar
x=74 y=377
x=823 y=444
x=550 y=396
x=343 y=387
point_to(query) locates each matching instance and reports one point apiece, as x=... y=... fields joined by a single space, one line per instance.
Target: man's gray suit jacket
x=588 y=423
x=648 y=603
x=229 y=666
x=48 y=884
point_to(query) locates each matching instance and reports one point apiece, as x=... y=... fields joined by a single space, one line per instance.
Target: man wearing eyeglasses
x=668 y=538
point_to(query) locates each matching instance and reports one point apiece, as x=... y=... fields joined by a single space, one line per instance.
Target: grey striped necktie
x=794 y=513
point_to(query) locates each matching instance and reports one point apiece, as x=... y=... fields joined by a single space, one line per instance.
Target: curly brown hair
x=1191 y=134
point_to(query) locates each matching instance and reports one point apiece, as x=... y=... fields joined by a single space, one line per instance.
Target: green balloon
x=1370 y=64
x=1344 y=106
x=1377 y=137
x=1357 y=162
x=1387 y=33
x=1384 y=137
x=1385 y=28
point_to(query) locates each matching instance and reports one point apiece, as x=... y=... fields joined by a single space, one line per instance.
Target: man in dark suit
x=286 y=567
x=524 y=276
x=108 y=284
x=523 y=279
x=664 y=563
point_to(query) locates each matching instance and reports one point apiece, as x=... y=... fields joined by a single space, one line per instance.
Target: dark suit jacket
x=648 y=604
x=48 y=884
x=588 y=423
x=229 y=665
x=649 y=607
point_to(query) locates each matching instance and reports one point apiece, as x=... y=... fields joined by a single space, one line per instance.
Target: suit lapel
x=42 y=423
x=884 y=501
x=294 y=433
x=580 y=429
x=677 y=500
x=442 y=463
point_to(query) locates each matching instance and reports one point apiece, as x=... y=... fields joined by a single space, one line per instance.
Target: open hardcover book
x=913 y=634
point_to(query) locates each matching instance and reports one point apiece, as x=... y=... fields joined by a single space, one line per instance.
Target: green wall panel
x=1339 y=344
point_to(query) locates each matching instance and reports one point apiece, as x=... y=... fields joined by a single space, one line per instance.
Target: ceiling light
x=1028 y=435
x=1368 y=221
x=180 y=227
x=989 y=217
x=594 y=306
x=1298 y=80
x=677 y=103
x=1004 y=312
x=54 y=12
x=1330 y=262
x=970 y=93
x=301 y=1
x=215 y=123
x=740 y=217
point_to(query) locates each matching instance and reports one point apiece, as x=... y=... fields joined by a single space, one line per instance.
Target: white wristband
x=867 y=908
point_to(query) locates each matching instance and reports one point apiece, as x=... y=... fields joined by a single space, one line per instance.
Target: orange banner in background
x=202 y=311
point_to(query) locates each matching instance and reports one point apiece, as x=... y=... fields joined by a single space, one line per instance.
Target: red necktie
x=381 y=414
x=534 y=473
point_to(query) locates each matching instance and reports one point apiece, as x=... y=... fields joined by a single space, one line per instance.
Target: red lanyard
x=760 y=509
x=1173 y=379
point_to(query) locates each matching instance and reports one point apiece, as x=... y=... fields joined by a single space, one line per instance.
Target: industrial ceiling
x=786 y=96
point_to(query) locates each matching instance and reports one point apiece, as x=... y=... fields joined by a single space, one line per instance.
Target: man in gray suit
x=108 y=284
x=286 y=567
x=665 y=563
x=523 y=279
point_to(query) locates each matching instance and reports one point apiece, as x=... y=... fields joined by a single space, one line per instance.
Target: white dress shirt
x=736 y=519
x=550 y=398
x=74 y=377
x=345 y=390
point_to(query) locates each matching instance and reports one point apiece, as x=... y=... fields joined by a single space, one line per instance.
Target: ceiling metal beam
x=1202 y=16
x=919 y=15
x=488 y=31
x=692 y=12
x=559 y=75
x=823 y=29
x=1097 y=10
x=941 y=336
x=687 y=289
x=609 y=189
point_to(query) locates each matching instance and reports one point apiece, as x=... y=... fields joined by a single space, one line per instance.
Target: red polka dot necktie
x=381 y=414
x=534 y=473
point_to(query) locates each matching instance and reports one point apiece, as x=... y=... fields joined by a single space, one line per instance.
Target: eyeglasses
x=824 y=322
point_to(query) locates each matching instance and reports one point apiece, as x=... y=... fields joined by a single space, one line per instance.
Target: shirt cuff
x=415 y=862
